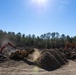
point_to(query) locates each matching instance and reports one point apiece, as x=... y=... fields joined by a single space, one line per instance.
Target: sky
x=38 y=16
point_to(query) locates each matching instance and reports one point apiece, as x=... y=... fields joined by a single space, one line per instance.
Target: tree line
x=47 y=40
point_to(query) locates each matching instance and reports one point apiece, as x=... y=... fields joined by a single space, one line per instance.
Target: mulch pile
x=51 y=59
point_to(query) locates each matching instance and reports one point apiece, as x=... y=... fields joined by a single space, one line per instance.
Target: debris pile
x=51 y=60
x=70 y=54
x=21 y=54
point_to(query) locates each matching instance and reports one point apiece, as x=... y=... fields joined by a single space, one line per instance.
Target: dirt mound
x=51 y=60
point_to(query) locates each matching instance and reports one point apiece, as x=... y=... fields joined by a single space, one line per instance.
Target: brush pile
x=51 y=59
x=70 y=54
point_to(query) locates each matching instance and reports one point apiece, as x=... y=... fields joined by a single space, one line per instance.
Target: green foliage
x=47 y=40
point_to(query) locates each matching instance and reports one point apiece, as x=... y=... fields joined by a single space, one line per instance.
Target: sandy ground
x=22 y=68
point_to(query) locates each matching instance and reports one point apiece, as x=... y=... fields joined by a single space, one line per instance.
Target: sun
x=39 y=1
x=40 y=4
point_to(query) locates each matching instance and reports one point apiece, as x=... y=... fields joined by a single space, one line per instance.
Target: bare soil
x=12 y=67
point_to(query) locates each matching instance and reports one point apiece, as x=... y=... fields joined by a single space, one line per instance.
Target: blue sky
x=27 y=17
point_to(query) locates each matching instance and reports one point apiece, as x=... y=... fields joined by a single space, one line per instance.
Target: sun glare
x=39 y=4
x=39 y=1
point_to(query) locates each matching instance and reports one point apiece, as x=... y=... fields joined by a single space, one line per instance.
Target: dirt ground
x=12 y=67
